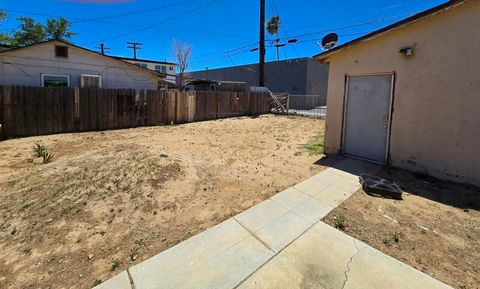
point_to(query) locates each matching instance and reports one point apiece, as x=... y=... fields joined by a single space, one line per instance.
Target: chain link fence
x=307 y=105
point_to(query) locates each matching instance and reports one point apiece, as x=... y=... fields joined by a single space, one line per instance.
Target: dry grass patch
x=109 y=200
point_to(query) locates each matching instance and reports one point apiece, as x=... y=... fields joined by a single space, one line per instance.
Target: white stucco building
x=167 y=68
x=408 y=95
x=61 y=64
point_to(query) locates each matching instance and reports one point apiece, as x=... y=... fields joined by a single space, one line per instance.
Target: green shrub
x=340 y=221
x=96 y=282
x=38 y=150
x=47 y=157
x=115 y=264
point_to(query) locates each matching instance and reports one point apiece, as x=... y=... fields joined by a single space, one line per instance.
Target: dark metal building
x=215 y=85
x=305 y=76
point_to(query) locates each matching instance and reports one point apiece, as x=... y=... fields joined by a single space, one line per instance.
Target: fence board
x=2 y=113
x=29 y=111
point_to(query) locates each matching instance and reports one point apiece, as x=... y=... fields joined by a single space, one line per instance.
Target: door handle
x=386 y=119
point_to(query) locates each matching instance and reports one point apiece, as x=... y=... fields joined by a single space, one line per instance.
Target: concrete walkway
x=279 y=243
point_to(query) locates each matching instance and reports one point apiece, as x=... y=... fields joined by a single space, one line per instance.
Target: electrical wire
x=136 y=12
x=251 y=45
x=383 y=19
x=358 y=15
x=155 y=24
x=99 y=19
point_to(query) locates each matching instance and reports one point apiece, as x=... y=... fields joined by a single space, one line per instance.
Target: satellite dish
x=329 y=41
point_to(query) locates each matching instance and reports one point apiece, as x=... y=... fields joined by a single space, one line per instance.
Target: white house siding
x=170 y=68
x=25 y=66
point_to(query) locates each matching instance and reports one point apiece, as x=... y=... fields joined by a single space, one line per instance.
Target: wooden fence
x=30 y=111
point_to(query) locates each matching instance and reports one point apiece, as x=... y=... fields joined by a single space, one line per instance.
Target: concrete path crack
x=131 y=279
x=349 y=263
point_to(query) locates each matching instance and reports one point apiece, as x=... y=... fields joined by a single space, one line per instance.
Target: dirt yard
x=108 y=200
x=435 y=228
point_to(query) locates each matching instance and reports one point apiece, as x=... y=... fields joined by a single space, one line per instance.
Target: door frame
x=390 y=112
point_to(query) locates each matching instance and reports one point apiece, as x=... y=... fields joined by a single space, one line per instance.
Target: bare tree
x=182 y=53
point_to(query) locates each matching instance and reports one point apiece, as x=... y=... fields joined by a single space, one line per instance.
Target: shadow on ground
x=457 y=195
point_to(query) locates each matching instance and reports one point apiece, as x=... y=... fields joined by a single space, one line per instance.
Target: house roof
x=209 y=81
x=143 y=60
x=326 y=54
x=159 y=74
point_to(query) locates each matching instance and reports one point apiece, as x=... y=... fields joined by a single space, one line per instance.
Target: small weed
x=27 y=251
x=24 y=207
x=387 y=241
x=396 y=236
x=115 y=264
x=340 y=221
x=65 y=211
x=97 y=282
x=392 y=238
x=134 y=253
x=39 y=150
x=4 y=226
x=47 y=157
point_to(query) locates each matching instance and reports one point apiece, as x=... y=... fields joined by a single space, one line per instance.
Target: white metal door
x=367 y=117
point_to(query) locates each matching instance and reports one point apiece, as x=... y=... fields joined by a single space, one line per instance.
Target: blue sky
x=222 y=32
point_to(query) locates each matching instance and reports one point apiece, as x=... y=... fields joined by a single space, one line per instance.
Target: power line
x=227 y=50
x=354 y=25
x=341 y=35
x=249 y=46
x=357 y=15
x=96 y=20
x=156 y=24
x=99 y=19
x=136 y=12
x=239 y=49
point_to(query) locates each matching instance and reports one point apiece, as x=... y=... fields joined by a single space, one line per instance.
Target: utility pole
x=134 y=46
x=103 y=49
x=277 y=41
x=261 y=81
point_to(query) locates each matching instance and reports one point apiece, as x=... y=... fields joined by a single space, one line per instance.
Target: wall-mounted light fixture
x=407 y=51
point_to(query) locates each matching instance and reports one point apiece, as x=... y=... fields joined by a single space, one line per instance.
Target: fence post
x=288 y=103
x=76 y=116
x=2 y=112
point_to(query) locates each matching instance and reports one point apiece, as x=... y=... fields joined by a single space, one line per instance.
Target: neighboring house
x=215 y=85
x=61 y=64
x=408 y=95
x=304 y=76
x=167 y=68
